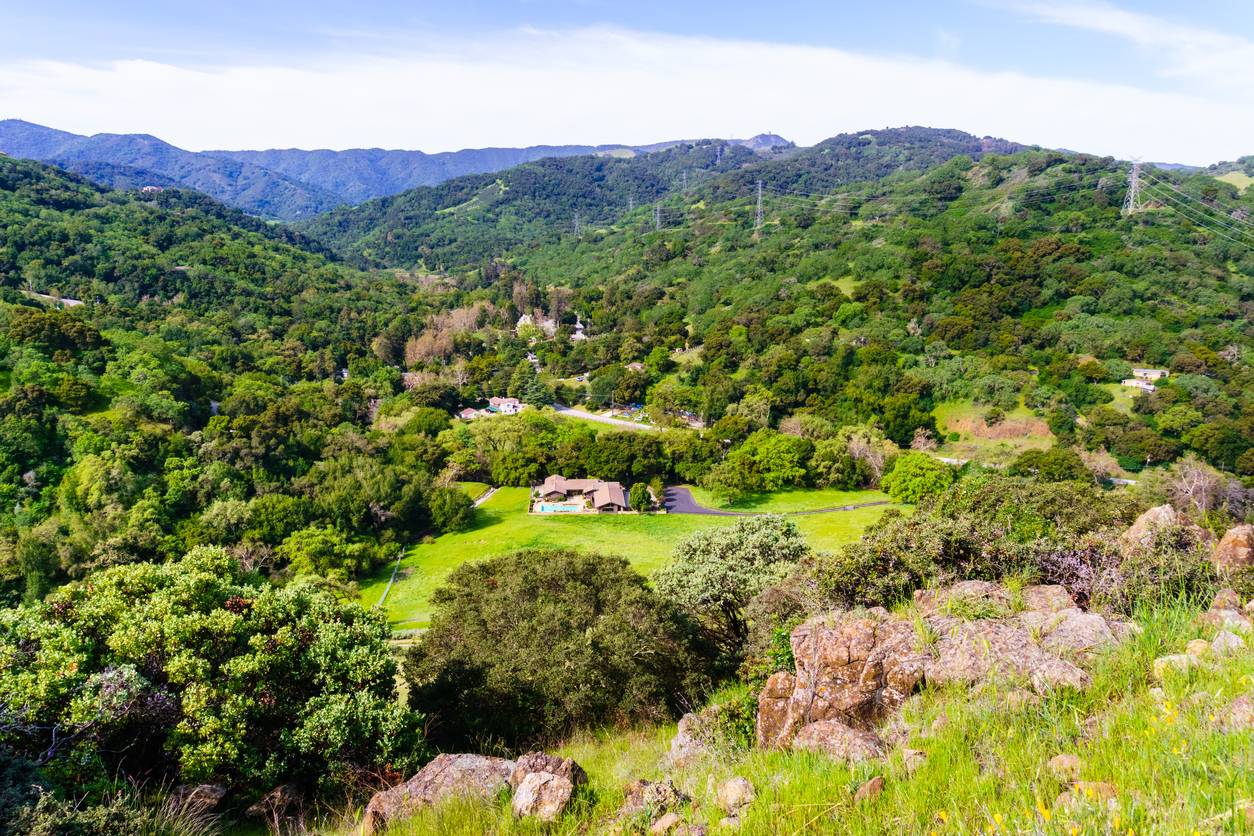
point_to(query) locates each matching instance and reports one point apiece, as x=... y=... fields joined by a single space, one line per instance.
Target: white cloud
x=1215 y=58
x=606 y=85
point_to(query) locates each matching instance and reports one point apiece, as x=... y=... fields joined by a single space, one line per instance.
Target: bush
x=714 y=573
x=639 y=497
x=451 y=509
x=123 y=815
x=193 y=671
x=528 y=647
x=1057 y=464
x=916 y=476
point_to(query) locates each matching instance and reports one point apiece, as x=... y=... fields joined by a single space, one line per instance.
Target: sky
x=1157 y=80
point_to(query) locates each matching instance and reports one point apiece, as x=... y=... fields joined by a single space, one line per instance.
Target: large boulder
x=448 y=776
x=542 y=795
x=1142 y=531
x=540 y=762
x=654 y=797
x=1236 y=549
x=735 y=794
x=834 y=738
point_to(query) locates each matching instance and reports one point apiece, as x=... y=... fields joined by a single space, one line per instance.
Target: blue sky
x=1130 y=80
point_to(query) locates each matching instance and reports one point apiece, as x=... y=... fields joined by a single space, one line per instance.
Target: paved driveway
x=679 y=500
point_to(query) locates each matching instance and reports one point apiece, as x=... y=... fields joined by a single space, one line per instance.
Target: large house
x=1137 y=383
x=607 y=497
x=507 y=406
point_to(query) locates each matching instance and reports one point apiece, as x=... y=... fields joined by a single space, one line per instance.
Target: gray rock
x=652 y=797
x=1056 y=674
x=665 y=824
x=685 y=747
x=1226 y=643
x=448 y=776
x=542 y=795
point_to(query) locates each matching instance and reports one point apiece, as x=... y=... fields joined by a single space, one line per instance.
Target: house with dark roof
x=606 y=497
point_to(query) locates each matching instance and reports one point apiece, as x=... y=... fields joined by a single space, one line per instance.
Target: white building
x=506 y=406
x=1150 y=374
x=1137 y=383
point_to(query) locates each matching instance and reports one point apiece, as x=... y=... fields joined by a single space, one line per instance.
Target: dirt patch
x=1010 y=428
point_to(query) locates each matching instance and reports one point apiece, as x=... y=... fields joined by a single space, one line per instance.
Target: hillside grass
x=1237 y=178
x=502 y=526
x=474 y=489
x=985 y=771
x=985 y=450
x=789 y=500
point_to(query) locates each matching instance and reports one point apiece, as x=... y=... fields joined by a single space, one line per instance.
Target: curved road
x=578 y=413
x=679 y=501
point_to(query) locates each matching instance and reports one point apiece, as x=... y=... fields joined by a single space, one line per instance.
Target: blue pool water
x=557 y=508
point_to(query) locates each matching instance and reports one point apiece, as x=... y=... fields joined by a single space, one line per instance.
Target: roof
x=610 y=493
x=557 y=482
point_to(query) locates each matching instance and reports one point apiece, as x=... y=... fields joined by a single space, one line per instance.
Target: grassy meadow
x=502 y=526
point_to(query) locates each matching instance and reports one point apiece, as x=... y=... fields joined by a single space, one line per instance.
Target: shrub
x=528 y=647
x=916 y=476
x=714 y=573
x=1057 y=464
x=451 y=509
x=123 y=815
x=192 y=671
x=639 y=497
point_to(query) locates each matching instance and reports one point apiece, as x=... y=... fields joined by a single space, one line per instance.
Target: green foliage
x=916 y=476
x=1057 y=464
x=526 y=648
x=451 y=509
x=195 y=671
x=639 y=496
x=123 y=815
x=715 y=573
x=325 y=552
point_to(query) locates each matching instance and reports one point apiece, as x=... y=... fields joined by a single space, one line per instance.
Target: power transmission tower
x=685 y=179
x=1134 y=201
x=757 y=223
x=657 y=217
x=576 y=224
x=718 y=156
x=631 y=204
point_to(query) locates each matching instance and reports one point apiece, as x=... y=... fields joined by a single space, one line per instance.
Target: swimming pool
x=557 y=507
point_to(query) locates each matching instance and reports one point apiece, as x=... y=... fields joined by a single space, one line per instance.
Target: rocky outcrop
x=540 y=762
x=857 y=670
x=735 y=795
x=686 y=746
x=470 y=776
x=834 y=738
x=542 y=795
x=1236 y=550
x=1142 y=531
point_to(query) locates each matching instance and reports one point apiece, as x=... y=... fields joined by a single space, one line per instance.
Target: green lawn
x=503 y=526
x=790 y=499
x=473 y=489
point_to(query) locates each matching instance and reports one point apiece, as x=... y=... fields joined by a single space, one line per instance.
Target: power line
x=1214 y=206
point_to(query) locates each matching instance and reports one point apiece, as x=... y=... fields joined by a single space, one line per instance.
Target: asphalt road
x=679 y=501
x=578 y=413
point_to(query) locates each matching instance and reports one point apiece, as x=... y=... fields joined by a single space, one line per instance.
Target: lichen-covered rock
x=685 y=746
x=1235 y=550
x=540 y=762
x=654 y=797
x=857 y=670
x=542 y=796
x=1238 y=715
x=665 y=824
x=735 y=794
x=468 y=776
x=840 y=741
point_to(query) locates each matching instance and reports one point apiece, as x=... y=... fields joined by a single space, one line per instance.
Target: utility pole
x=1133 y=201
x=657 y=217
x=758 y=219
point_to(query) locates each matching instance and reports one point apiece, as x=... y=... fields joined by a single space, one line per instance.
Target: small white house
x=1143 y=385
x=1150 y=374
x=507 y=406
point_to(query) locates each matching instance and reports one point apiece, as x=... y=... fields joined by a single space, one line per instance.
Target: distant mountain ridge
x=289 y=184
